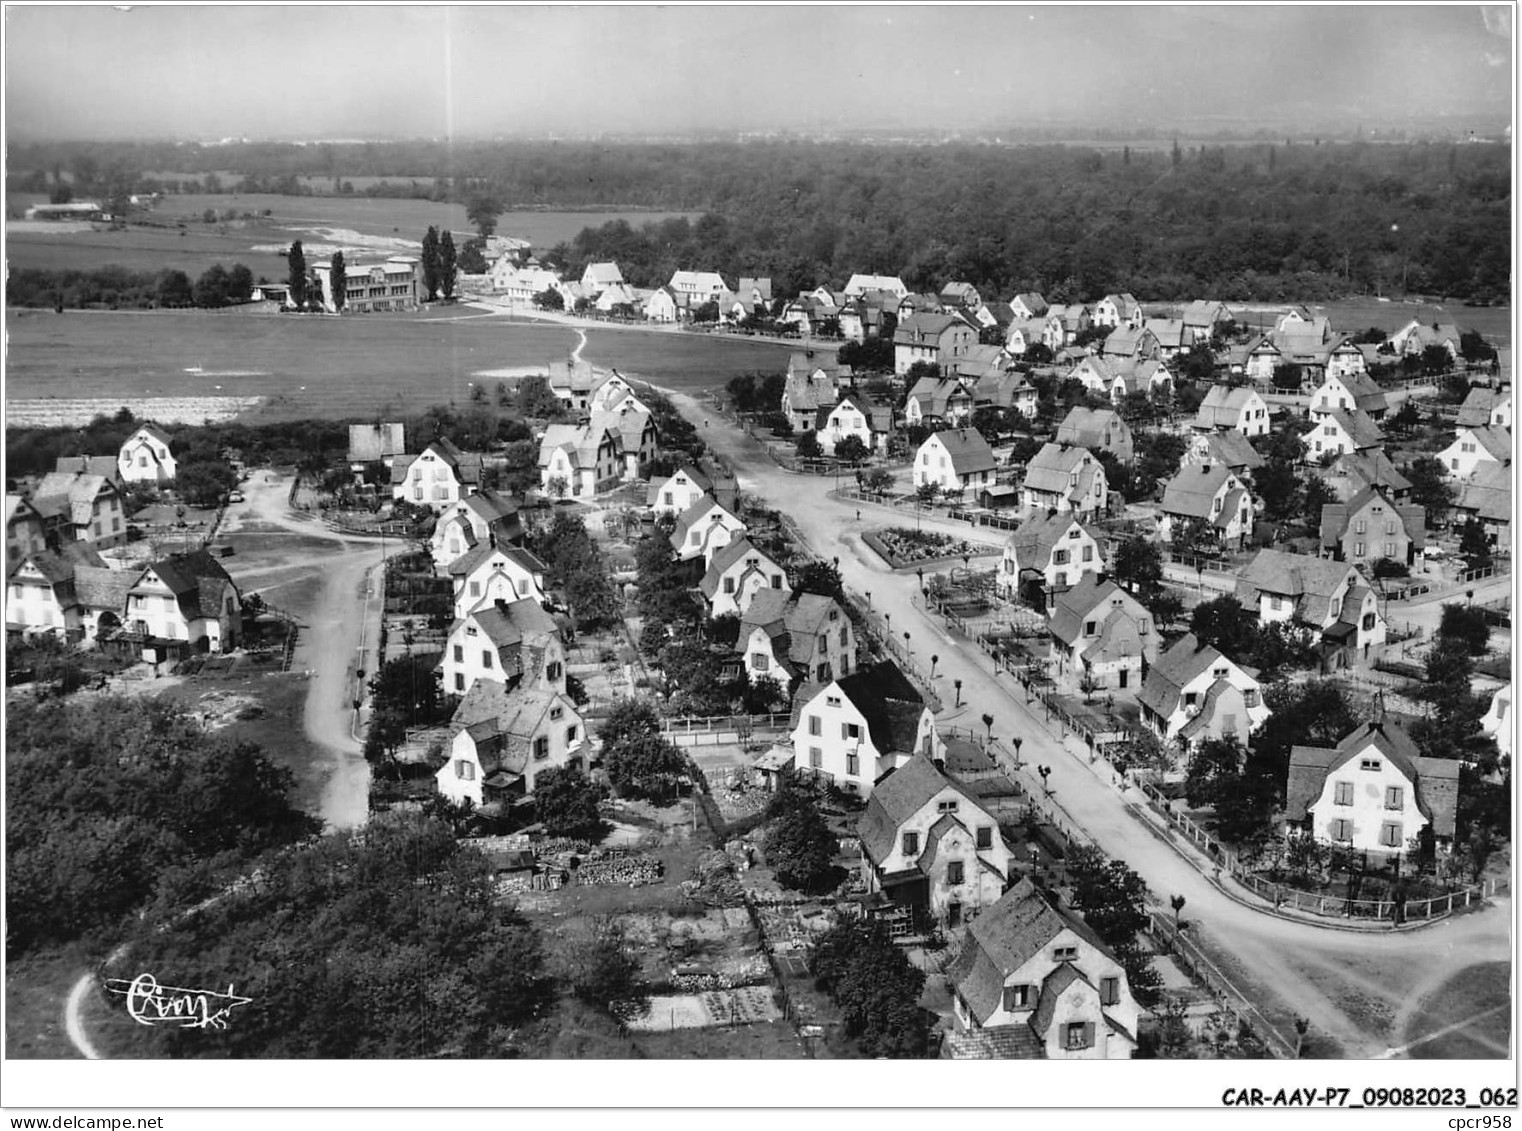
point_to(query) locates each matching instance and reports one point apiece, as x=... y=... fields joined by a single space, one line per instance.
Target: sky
x=273 y=71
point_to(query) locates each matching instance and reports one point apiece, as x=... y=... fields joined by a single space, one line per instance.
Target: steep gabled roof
x=96 y=587
x=1435 y=779
x=1358 y=425
x=695 y=514
x=968 y=450
x=891 y=705
x=1174 y=669
x=1372 y=468
x=726 y=556
x=1310 y=581
x=1231 y=449
x=1090 y=595
x=1086 y=427
x=1336 y=517
x=471 y=559
x=1222 y=406
x=898 y=797
x=1052 y=467
x=1035 y=540
x=1193 y=490
x=1496 y=441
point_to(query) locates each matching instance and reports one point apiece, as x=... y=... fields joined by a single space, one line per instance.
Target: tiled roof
x=1358 y=425
x=1496 y=441
x=1173 y=670
x=1435 y=779
x=1476 y=409
x=1052 y=467
x=1231 y=449
x=891 y=705
x=695 y=514
x=899 y=796
x=100 y=588
x=968 y=450
x=1035 y=539
x=1336 y=517
x=1309 y=580
x=371 y=442
x=726 y=556
x=1086 y=427
x=1372 y=468
x=1222 y=406
x=1193 y=490
x=1089 y=594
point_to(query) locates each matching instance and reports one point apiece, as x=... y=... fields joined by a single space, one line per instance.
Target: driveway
x=1353 y=988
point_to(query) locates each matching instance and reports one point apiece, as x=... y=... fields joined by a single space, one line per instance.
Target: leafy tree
x=1430 y=487
x=449 y=270
x=876 y=986
x=1474 y=348
x=348 y=947
x=340 y=278
x=204 y=483
x=1466 y=626
x=536 y=399
x=240 y=283
x=822 y=578
x=482 y=211
x=799 y=845
x=472 y=257
x=1406 y=418
x=879 y=480
x=852 y=450
x=1277 y=484
x=598 y=966
x=296 y=261
x=432 y=266
x=1214 y=769
x=565 y=803
x=1474 y=545
x=174 y=289
x=549 y=299
x=1317 y=496
x=644 y=766
x=211 y=287
x=1224 y=624
x=409 y=686
x=1138 y=566
x=808 y=445
x=1113 y=900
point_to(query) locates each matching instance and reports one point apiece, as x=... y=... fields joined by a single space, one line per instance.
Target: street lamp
x=958 y=685
x=934 y=660
x=908 y=649
x=1016 y=742
x=988 y=721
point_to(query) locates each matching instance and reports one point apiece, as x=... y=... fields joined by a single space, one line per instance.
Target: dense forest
x=1271 y=222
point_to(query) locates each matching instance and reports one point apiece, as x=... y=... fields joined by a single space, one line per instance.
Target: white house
x=703 y=529
x=674 y=495
x=145 y=457
x=503 y=740
x=955 y=461
x=1332 y=598
x=1474 y=446
x=490 y=572
x=661 y=306
x=577 y=460
x=632 y=427
x=1102 y=632
x=1055 y=551
x=1034 y=982
x=786 y=637
x=856 y=728
x=598 y=277
x=695 y=288
x=187 y=597
x=938 y=399
x=440 y=476
x=1063 y=478
x=1029 y=305
x=514 y=642
x=736 y=574
x=861 y=284
x=1373 y=792
x=930 y=844
x=1193 y=693
x=1240 y=408
x=1498 y=720
x=474 y=519
x=855 y=415
x=1339 y=432
x=1212 y=499
x=80 y=507
x=1350 y=391
x=1118 y=310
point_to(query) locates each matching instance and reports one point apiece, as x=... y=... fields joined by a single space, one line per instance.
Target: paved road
x=1358 y=990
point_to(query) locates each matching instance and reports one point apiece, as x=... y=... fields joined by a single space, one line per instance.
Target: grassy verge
x=1477 y=1000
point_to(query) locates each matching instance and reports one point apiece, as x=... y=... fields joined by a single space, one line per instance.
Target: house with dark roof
x=634 y=431
x=1371 y=526
x=806 y=391
x=577 y=460
x=1239 y=407
x=1485 y=407
x=1098 y=429
x=1415 y=336
x=502 y=739
x=80 y=507
x=703 y=529
x=1028 y=305
x=145 y=457
x=436 y=478
x=1349 y=392
x=1032 y=981
x=1486 y=496
x=371 y=444
x=515 y=643
x=944 y=399
x=674 y=495
x=1339 y=431
x=1064 y=479
x=930 y=844
x=1064 y=322
x=1173 y=337
x=1373 y=792
x=491 y=571
x=736 y=574
x=1472 y=447
x=1129 y=343
x=1352 y=472
x=1120 y=310
x=1023 y=333
x=1228 y=449
x=1101 y=635
x=1334 y=599
x=185 y=599
x=955 y=460
x=1203 y=316
x=852 y=730
x=787 y=637
x=1193 y=693
x=1051 y=553
x=855 y=415
x=1007 y=389
x=956 y=298
x=1212 y=501
x=24 y=533
x=485 y=516
x=937 y=339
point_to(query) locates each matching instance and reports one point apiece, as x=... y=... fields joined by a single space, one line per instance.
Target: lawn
x=334 y=368
x=36 y=987
x=1476 y=1000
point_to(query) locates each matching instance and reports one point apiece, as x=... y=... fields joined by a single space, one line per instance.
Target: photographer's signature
x=149 y=1003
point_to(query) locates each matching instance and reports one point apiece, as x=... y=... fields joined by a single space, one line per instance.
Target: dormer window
x=1064 y=954
x=832 y=700
x=946 y=806
x=1371 y=764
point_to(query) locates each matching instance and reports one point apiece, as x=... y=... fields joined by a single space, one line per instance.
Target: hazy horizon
x=357 y=71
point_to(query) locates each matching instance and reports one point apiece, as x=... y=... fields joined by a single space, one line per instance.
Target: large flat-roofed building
x=395 y=283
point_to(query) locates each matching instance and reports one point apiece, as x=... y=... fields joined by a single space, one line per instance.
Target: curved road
x=1358 y=991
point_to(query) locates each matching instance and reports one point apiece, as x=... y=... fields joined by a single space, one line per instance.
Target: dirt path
x=1271 y=959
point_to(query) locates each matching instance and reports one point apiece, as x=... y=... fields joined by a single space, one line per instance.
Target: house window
x=1076 y=1035
x=1359 y=529
x=824 y=642
x=1368 y=622
x=853 y=765
x=1143 y=628
x=911 y=844
x=1060 y=557
x=851 y=732
x=844 y=637
x=557 y=712
x=459 y=653
x=816 y=757
x=816 y=726
x=954 y=873
x=832 y=700
x=946 y=807
x=985 y=837
x=570 y=735
x=1250 y=698
x=776 y=581
x=485 y=658
x=1276 y=604
x=1389 y=549
x=1344 y=793
x=475 y=588
x=1358 y=548
x=1089 y=627
x=1189 y=698
x=1372 y=764
x=459 y=681
x=1395 y=797
x=541 y=748
x=1065 y=954
x=1390 y=835
x=759 y=662
x=464 y=770
x=1109 y=991
x=1017 y=997
x=729 y=585
x=552 y=671
x=1342 y=830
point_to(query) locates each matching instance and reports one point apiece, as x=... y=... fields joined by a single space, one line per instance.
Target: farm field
x=331 y=367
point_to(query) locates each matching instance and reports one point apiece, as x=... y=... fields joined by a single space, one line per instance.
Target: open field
x=332 y=367
x=1468 y=1018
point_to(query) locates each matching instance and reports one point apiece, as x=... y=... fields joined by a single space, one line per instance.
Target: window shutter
x=1088 y=1034
x=845 y=731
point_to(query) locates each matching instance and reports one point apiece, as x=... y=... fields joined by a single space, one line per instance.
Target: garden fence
x=703 y=724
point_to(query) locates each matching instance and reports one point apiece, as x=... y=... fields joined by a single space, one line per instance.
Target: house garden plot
x=901 y=546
